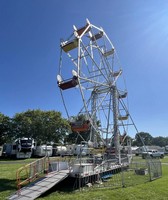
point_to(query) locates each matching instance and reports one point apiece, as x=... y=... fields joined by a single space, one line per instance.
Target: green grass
x=7 y=179
x=165 y=159
x=155 y=190
x=139 y=159
x=8 y=175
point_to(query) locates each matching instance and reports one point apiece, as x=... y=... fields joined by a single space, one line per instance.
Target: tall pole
x=115 y=122
x=93 y=137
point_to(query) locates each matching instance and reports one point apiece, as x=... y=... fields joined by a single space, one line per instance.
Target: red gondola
x=67 y=84
x=80 y=126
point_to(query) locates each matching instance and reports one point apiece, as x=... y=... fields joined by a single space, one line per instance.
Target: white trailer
x=60 y=151
x=78 y=149
x=1 y=150
x=81 y=149
x=20 y=148
x=43 y=150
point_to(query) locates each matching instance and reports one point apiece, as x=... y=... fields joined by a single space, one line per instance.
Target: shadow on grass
x=6 y=184
x=66 y=186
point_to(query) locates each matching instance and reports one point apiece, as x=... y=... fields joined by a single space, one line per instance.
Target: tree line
x=50 y=126
x=43 y=126
x=147 y=139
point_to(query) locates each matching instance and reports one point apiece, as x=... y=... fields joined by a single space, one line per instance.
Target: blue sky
x=30 y=32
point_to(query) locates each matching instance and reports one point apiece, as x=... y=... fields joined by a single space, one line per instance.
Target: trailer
x=20 y=148
x=78 y=149
x=60 y=151
x=153 y=154
x=43 y=150
x=1 y=151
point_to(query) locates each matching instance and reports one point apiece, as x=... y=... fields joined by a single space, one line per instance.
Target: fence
x=32 y=171
x=155 y=169
x=136 y=173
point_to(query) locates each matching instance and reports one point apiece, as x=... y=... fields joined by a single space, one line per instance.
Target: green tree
x=160 y=141
x=127 y=139
x=5 y=128
x=143 y=138
x=43 y=126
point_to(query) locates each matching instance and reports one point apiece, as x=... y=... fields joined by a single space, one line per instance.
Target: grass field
x=155 y=190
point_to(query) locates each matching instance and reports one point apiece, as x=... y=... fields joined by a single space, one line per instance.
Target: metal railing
x=32 y=171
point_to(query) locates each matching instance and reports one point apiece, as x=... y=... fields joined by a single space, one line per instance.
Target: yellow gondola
x=123 y=117
x=68 y=46
x=108 y=53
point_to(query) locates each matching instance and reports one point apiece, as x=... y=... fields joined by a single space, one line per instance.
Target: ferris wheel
x=90 y=67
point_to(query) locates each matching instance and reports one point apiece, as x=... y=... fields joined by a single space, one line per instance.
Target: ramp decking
x=36 y=189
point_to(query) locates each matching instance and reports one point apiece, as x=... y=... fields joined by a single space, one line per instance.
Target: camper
x=43 y=150
x=1 y=151
x=60 y=151
x=81 y=150
x=78 y=149
x=20 y=148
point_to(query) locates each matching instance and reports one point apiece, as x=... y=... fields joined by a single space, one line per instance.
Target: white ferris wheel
x=90 y=66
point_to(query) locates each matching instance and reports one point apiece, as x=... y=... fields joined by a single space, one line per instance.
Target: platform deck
x=38 y=188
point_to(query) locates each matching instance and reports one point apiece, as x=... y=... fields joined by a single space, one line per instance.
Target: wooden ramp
x=38 y=188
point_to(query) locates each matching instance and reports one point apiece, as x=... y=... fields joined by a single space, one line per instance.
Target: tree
x=5 y=128
x=143 y=138
x=126 y=140
x=43 y=126
x=160 y=141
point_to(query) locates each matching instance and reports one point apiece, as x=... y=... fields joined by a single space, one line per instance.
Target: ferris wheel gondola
x=89 y=59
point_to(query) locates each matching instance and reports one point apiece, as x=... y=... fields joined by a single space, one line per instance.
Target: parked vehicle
x=1 y=150
x=43 y=150
x=166 y=149
x=153 y=154
x=139 y=150
x=20 y=148
x=59 y=151
x=78 y=149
